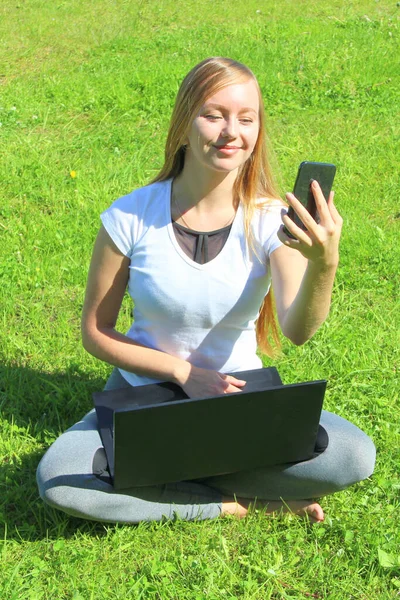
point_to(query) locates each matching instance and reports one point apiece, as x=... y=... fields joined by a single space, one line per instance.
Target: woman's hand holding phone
x=320 y=242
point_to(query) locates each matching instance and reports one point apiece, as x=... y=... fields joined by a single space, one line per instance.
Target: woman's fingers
x=233 y=380
x=321 y=203
x=301 y=212
x=337 y=219
x=232 y=390
x=299 y=234
x=232 y=384
x=329 y=216
x=203 y=383
x=319 y=242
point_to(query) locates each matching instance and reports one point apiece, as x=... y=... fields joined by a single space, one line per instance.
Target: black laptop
x=155 y=434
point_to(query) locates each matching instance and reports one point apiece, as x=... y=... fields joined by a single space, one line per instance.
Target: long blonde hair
x=254 y=179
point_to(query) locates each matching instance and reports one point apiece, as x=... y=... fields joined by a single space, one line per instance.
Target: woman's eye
x=213 y=117
x=246 y=121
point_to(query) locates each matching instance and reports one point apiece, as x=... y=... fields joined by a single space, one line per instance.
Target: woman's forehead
x=243 y=95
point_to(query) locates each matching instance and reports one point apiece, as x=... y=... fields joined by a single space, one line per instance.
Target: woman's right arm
x=107 y=281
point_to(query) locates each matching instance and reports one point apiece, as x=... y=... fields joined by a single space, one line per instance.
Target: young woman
x=198 y=249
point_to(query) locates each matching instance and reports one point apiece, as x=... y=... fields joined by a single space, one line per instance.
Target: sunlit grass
x=86 y=90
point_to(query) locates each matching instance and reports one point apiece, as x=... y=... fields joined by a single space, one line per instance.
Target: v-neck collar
x=220 y=256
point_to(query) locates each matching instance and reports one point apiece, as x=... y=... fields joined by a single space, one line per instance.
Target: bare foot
x=304 y=508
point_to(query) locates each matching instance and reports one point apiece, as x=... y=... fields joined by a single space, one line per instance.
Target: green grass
x=89 y=87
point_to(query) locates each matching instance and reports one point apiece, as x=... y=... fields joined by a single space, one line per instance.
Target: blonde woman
x=198 y=249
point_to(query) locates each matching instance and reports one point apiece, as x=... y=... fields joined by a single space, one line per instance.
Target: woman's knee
x=75 y=494
x=351 y=458
x=67 y=466
x=56 y=496
x=360 y=462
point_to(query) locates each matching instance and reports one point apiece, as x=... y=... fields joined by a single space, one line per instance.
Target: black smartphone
x=324 y=173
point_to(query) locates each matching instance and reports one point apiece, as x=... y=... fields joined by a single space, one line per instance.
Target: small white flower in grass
x=116 y=150
x=258 y=12
x=35 y=117
x=1 y=124
x=13 y=108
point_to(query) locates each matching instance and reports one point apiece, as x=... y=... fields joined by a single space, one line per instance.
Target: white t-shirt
x=201 y=313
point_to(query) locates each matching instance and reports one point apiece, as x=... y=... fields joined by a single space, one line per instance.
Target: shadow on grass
x=45 y=403
x=35 y=408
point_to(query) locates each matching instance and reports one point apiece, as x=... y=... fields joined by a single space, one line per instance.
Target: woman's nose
x=229 y=129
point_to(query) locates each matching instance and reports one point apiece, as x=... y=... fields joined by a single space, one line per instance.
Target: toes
x=314 y=513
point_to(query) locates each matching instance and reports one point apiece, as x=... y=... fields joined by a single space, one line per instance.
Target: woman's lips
x=227 y=149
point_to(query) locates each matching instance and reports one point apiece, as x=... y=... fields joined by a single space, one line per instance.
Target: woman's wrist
x=326 y=264
x=181 y=371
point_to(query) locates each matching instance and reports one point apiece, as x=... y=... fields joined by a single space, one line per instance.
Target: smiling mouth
x=227 y=147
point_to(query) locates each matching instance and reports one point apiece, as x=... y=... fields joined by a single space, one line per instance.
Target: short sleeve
x=270 y=221
x=121 y=223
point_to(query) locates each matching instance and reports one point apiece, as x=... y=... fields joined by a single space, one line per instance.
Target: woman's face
x=224 y=133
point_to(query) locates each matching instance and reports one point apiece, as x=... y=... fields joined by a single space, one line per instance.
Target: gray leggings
x=66 y=480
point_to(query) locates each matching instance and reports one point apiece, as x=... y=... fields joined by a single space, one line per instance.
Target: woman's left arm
x=303 y=269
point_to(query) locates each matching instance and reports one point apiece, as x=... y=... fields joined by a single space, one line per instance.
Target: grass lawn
x=86 y=91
